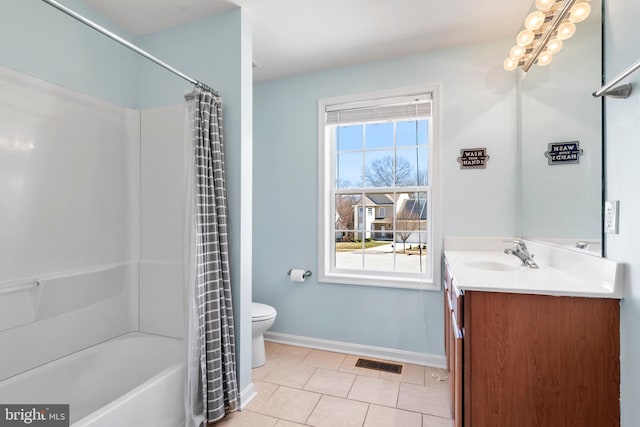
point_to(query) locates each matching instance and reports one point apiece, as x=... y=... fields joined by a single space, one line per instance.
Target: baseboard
x=384 y=353
x=247 y=395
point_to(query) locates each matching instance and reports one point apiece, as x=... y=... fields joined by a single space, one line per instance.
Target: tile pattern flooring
x=300 y=386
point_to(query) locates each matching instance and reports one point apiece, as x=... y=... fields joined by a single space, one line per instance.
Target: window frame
x=326 y=272
x=382 y=212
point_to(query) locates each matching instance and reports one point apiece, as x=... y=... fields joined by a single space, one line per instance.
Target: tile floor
x=304 y=387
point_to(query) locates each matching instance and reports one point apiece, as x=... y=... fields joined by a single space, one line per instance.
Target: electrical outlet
x=611 y=216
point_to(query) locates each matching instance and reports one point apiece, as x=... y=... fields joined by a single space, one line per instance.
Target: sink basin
x=492 y=266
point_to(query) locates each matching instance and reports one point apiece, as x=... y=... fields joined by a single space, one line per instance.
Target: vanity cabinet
x=531 y=360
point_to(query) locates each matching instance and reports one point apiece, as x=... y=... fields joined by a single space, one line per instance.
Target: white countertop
x=558 y=274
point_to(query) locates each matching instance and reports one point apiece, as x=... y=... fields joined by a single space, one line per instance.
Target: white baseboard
x=247 y=395
x=384 y=353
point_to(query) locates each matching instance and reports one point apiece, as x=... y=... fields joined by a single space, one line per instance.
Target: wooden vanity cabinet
x=532 y=360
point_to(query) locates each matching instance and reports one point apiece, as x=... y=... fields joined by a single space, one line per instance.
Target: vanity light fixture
x=544 y=31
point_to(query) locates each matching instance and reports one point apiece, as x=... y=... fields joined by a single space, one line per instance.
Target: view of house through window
x=380 y=188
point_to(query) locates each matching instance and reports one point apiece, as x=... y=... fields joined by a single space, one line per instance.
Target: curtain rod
x=75 y=15
x=624 y=90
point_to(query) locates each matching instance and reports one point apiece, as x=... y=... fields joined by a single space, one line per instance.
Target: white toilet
x=262 y=317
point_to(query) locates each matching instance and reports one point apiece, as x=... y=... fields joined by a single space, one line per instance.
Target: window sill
x=379 y=281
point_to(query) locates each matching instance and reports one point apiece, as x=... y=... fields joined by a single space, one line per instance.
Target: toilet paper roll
x=297 y=275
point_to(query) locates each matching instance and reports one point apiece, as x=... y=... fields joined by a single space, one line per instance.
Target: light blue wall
x=208 y=50
x=478 y=100
x=40 y=41
x=622 y=179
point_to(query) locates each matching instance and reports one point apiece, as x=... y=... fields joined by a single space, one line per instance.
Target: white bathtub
x=135 y=380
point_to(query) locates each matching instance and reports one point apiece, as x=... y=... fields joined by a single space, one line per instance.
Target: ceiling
x=297 y=36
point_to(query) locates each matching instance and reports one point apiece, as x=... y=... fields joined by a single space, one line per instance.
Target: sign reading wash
x=34 y=415
x=562 y=153
x=473 y=158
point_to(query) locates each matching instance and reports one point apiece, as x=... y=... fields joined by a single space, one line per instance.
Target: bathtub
x=135 y=380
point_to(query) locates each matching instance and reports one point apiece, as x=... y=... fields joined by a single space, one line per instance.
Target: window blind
x=397 y=108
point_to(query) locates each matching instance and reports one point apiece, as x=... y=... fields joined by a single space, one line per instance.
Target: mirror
x=560 y=201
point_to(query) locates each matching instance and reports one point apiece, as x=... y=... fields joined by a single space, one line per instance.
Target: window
x=376 y=153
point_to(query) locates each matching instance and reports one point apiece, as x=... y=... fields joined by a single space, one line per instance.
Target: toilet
x=262 y=317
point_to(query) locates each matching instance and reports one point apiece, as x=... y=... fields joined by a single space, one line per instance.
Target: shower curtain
x=211 y=384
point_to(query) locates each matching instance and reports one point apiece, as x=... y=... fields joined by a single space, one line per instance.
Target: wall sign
x=473 y=158
x=563 y=153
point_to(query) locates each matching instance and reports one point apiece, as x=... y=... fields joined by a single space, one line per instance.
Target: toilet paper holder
x=306 y=274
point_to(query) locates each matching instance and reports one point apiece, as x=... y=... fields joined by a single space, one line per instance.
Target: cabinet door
x=453 y=372
x=537 y=360
x=456 y=381
x=447 y=329
x=446 y=281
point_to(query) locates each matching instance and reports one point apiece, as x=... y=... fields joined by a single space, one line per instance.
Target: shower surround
x=107 y=259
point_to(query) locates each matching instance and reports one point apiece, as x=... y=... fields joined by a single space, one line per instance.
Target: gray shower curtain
x=212 y=387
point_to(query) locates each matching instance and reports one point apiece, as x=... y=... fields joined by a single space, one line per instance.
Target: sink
x=492 y=266
x=562 y=272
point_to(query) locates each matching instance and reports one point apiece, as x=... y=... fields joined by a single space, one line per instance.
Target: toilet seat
x=262 y=312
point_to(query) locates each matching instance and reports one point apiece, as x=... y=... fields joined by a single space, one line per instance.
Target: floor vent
x=380 y=366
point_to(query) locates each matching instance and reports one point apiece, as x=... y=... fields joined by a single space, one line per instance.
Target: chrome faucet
x=584 y=244
x=520 y=250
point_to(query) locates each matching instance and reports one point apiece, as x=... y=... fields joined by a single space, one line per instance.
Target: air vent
x=379 y=366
